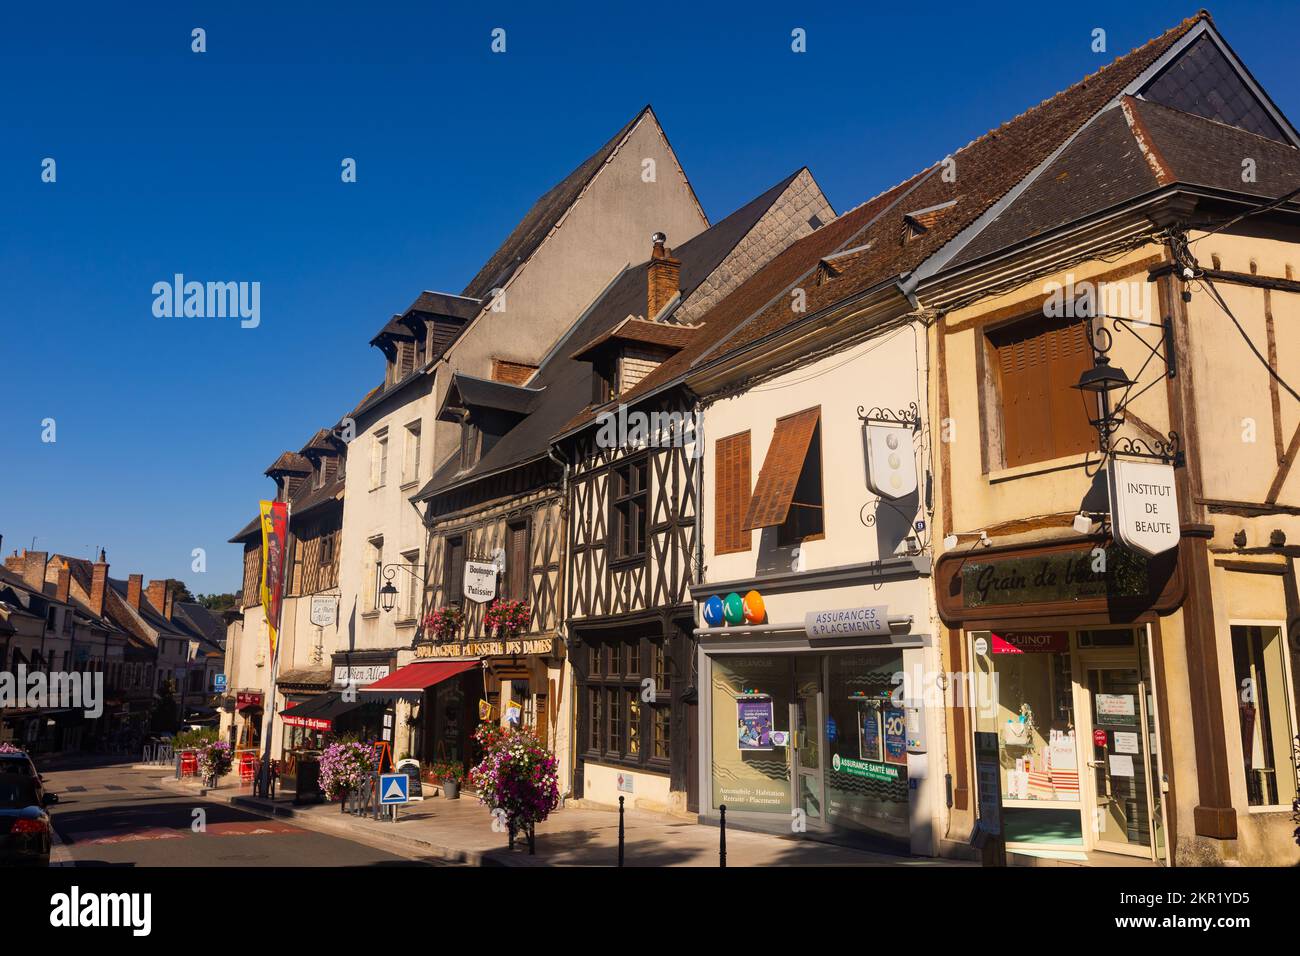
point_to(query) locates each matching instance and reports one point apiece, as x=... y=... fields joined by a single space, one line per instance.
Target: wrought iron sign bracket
x=910 y=416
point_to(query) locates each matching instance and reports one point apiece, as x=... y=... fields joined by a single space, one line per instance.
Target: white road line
x=60 y=855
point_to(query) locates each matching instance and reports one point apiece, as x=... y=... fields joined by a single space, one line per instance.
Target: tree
x=180 y=592
x=219 y=602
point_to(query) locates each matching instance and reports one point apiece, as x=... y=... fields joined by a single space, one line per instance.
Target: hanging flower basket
x=445 y=623
x=507 y=617
x=342 y=768
x=517 y=778
x=215 y=760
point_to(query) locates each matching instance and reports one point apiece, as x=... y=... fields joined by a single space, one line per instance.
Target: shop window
x=746 y=774
x=1023 y=693
x=619 y=720
x=731 y=494
x=629 y=509
x=1264 y=713
x=788 y=494
x=1039 y=415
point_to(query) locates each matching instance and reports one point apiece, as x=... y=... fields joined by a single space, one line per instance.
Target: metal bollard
x=177 y=760
x=620 y=831
x=722 y=835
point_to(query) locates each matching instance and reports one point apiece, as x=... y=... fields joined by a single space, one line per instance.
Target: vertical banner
x=275 y=543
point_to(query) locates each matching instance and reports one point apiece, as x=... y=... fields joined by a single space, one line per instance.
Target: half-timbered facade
x=633 y=503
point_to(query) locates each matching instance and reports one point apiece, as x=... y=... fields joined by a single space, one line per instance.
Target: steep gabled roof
x=566 y=382
x=538 y=222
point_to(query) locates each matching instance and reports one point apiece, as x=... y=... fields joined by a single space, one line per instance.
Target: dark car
x=21 y=764
x=24 y=824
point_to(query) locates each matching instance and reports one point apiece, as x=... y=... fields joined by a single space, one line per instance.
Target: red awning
x=417 y=677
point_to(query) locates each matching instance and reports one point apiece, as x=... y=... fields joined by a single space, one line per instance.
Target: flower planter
x=451 y=789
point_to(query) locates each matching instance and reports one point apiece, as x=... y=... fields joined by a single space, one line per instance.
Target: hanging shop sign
x=1143 y=506
x=324 y=609
x=891 y=464
x=848 y=622
x=480 y=583
x=248 y=698
x=754 y=718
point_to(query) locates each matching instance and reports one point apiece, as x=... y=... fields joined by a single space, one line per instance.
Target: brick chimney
x=34 y=570
x=662 y=277
x=134 y=584
x=65 y=583
x=98 y=582
x=15 y=563
x=160 y=597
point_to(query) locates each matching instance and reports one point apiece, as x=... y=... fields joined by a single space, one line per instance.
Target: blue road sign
x=219 y=682
x=394 y=788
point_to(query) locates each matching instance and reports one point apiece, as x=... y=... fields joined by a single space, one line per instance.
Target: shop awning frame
x=318 y=713
x=414 y=679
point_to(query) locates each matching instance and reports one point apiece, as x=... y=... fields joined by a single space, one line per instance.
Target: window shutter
x=781 y=468
x=731 y=494
x=1043 y=417
x=520 y=571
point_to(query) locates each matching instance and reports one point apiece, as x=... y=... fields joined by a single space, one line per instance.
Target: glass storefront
x=814 y=737
x=1074 y=716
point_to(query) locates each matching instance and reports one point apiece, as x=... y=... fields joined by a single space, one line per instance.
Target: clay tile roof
x=642 y=331
x=986 y=169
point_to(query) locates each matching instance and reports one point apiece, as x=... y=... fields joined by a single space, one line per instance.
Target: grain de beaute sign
x=1143 y=506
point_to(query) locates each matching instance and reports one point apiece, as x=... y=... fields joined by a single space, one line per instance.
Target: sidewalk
x=461 y=831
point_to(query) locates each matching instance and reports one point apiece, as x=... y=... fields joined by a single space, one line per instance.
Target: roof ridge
x=1177 y=29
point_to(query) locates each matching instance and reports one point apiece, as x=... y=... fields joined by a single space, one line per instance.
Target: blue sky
x=225 y=166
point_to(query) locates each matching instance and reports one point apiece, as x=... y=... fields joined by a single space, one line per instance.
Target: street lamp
x=388 y=596
x=388 y=593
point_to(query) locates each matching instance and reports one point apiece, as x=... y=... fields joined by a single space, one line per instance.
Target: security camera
x=1188 y=274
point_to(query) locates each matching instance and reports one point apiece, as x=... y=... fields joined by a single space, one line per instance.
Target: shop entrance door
x=1121 y=796
x=808 y=718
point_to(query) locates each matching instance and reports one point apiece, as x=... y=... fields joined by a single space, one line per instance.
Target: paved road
x=112 y=815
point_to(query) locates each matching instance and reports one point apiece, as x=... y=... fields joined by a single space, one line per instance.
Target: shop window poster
x=755 y=723
x=895 y=721
x=870 y=744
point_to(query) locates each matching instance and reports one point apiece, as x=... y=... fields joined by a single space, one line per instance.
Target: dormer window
x=469 y=442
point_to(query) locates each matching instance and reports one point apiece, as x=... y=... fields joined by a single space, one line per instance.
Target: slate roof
x=201 y=620
x=566 y=381
x=986 y=170
x=542 y=217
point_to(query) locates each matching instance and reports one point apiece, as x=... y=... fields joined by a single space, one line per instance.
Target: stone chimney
x=663 y=276
x=64 y=584
x=160 y=597
x=134 y=584
x=98 y=582
x=34 y=570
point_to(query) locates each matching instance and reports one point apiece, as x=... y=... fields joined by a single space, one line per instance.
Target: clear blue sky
x=225 y=166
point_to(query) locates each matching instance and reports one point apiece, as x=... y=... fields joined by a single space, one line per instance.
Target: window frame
x=636 y=501
x=612 y=696
x=1287 y=707
x=412 y=446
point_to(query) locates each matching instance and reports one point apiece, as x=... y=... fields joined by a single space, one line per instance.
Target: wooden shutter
x=517 y=562
x=406 y=358
x=453 y=583
x=1043 y=417
x=781 y=468
x=731 y=494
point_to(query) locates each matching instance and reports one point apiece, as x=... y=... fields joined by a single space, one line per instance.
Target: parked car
x=24 y=824
x=20 y=763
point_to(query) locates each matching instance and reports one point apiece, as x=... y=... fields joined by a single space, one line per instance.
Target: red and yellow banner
x=275 y=545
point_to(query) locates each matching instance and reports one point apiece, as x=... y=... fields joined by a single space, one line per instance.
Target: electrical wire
x=1263 y=207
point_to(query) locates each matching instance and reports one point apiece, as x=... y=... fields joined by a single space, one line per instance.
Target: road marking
x=60 y=855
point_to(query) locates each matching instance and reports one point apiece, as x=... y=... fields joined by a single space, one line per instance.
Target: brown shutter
x=731 y=494
x=1043 y=417
x=520 y=570
x=781 y=468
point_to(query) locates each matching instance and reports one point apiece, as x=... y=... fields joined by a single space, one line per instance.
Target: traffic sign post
x=394 y=790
